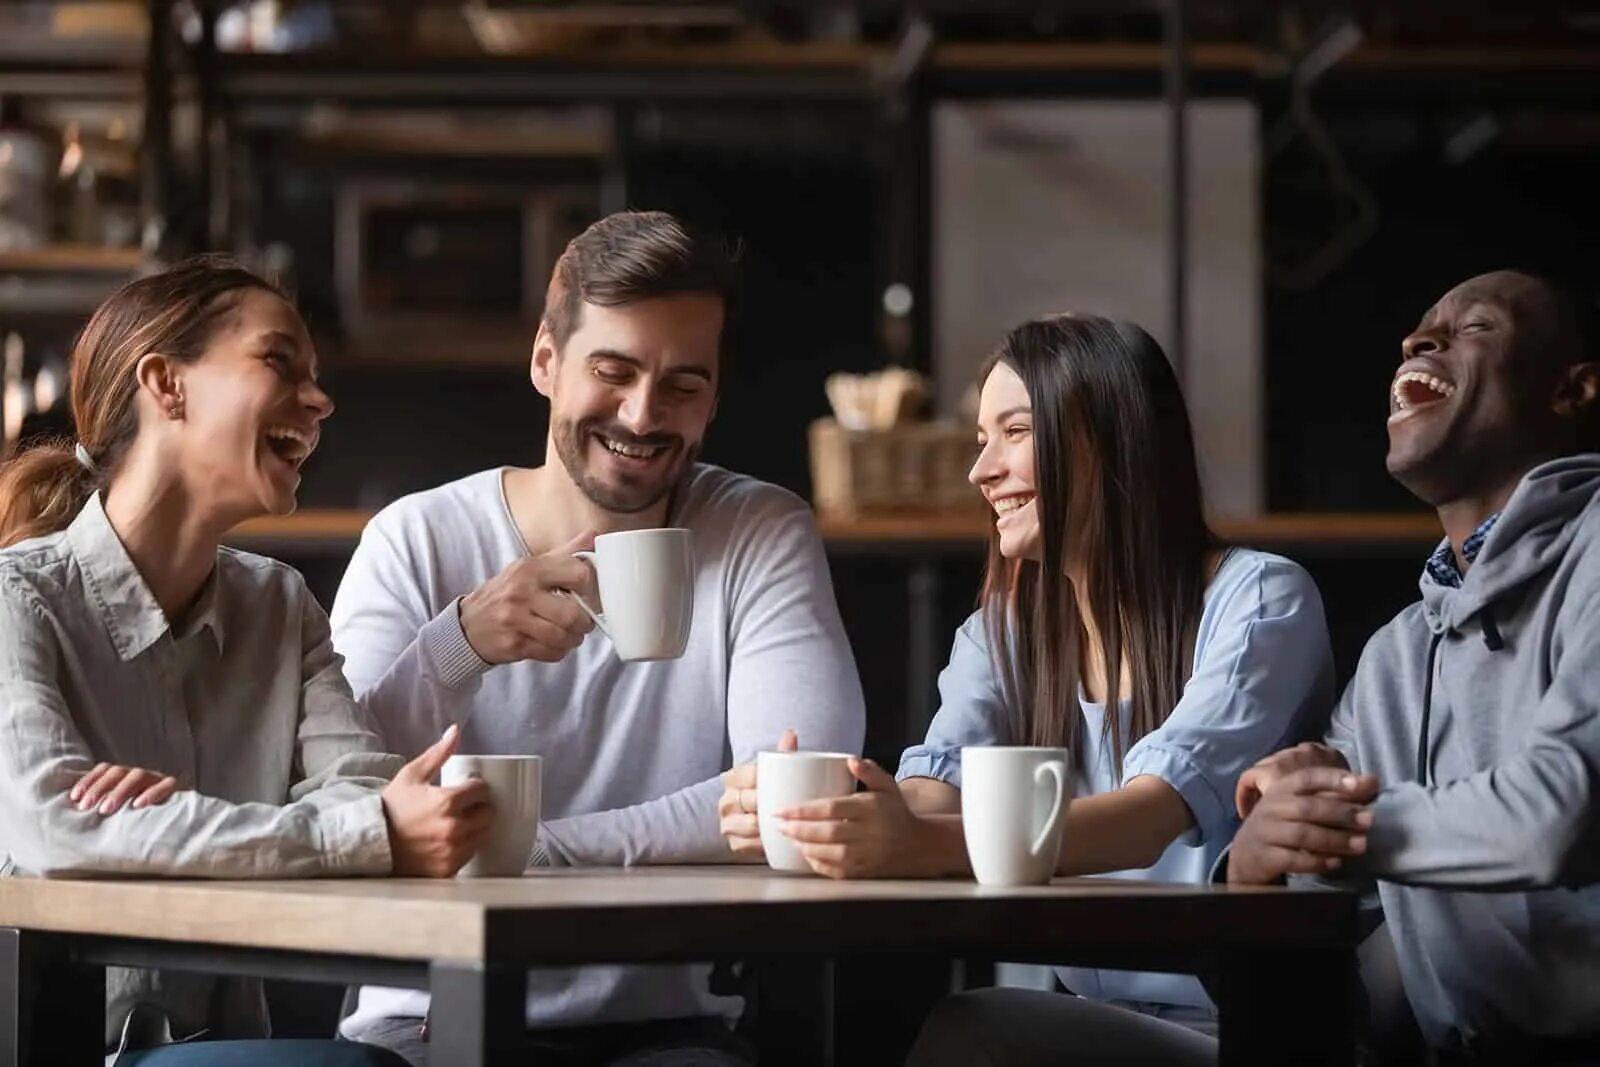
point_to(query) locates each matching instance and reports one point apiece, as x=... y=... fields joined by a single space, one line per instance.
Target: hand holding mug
x=523 y=613
x=515 y=783
x=433 y=830
x=737 y=808
x=1255 y=782
x=870 y=834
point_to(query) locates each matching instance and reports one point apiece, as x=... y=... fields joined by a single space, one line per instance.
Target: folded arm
x=335 y=830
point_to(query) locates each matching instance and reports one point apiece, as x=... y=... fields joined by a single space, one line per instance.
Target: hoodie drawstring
x=1427 y=709
x=1491 y=632
x=1491 y=640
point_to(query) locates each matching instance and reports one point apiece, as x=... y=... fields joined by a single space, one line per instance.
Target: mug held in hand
x=515 y=791
x=646 y=580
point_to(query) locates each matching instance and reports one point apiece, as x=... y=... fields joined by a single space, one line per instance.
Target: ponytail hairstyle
x=43 y=484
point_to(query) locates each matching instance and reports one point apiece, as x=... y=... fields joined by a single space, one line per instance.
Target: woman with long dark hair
x=1111 y=624
x=173 y=707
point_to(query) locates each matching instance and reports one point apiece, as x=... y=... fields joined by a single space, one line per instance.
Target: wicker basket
x=918 y=466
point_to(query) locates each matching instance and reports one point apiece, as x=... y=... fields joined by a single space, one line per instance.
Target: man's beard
x=630 y=494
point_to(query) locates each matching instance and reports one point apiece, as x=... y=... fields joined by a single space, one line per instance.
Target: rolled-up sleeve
x=1263 y=679
x=972 y=710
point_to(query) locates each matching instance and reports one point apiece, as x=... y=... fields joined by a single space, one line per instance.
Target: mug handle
x=1055 y=770
x=599 y=619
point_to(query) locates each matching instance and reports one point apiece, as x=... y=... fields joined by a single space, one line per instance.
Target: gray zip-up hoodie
x=1479 y=711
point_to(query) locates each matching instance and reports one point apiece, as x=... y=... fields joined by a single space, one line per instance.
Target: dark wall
x=1332 y=350
x=809 y=228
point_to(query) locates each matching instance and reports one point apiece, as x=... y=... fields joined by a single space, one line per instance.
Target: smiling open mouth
x=642 y=452
x=289 y=444
x=1413 y=389
x=1006 y=505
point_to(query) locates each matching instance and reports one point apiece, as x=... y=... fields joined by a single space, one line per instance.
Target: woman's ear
x=161 y=381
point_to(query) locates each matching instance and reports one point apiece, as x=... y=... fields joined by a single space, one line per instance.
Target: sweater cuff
x=355 y=838
x=454 y=661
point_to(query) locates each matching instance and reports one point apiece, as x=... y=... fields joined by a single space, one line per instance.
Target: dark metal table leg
x=477 y=1015
x=795 y=1011
x=1288 y=1008
x=52 y=1009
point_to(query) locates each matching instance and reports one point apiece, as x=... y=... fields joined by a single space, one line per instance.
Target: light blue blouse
x=1262 y=680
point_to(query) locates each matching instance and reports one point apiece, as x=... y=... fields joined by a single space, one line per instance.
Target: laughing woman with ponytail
x=171 y=707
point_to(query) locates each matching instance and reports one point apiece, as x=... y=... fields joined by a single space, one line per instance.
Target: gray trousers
x=1031 y=1028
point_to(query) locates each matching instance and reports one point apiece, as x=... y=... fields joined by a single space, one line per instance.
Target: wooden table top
x=575 y=915
x=331 y=530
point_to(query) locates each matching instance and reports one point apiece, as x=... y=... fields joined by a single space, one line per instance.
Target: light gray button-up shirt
x=245 y=702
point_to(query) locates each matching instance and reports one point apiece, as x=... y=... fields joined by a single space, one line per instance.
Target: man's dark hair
x=632 y=256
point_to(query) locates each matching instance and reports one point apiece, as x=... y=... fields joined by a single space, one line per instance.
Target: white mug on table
x=646 y=580
x=787 y=780
x=514 y=790
x=1012 y=803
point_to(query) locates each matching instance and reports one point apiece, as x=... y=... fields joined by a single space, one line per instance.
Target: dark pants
x=661 y=1043
x=262 y=1054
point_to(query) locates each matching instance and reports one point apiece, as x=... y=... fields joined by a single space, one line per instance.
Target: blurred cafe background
x=1278 y=190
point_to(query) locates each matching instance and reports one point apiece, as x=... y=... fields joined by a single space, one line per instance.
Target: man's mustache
x=613 y=432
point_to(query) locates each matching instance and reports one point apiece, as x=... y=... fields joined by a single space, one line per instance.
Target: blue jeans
x=287 y=1053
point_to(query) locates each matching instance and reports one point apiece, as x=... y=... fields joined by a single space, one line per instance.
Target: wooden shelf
x=336 y=531
x=319 y=531
x=1265 y=531
x=61 y=259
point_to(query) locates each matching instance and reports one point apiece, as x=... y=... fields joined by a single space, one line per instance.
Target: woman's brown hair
x=176 y=313
x=1118 y=497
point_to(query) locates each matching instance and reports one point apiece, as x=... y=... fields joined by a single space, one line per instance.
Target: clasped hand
x=1304 y=813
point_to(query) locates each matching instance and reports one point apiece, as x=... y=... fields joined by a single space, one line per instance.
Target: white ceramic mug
x=786 y=780
x=1012 y=801
x=514 y=783
x=646 y=580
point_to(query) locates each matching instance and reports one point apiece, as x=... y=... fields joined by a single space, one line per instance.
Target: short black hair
x=1577 y=312
x=1577 y=328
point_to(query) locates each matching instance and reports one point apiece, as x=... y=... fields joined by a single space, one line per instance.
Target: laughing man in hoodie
x=1461 y=771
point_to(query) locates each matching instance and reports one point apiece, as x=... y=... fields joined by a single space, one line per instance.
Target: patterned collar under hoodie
x=1442 y=564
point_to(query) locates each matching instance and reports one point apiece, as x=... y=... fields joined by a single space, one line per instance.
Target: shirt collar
x=128 y=608
x=1442 y=564
x=207 y=612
